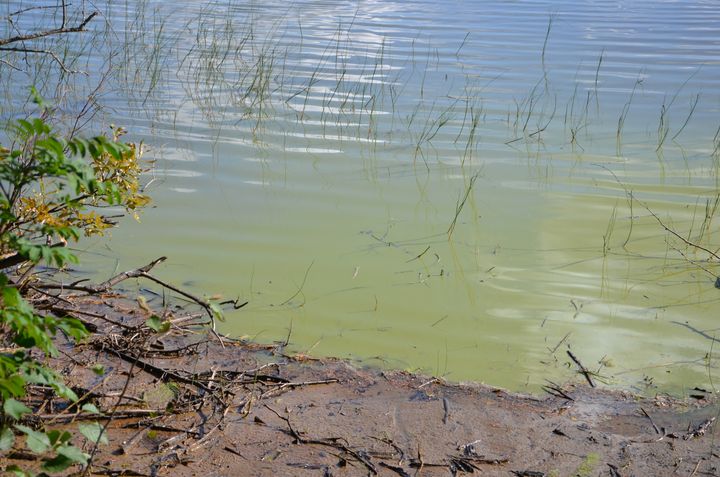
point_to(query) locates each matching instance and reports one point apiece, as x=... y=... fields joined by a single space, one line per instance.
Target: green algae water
x=464 y=189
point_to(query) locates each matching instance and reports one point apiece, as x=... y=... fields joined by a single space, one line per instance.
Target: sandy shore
x=185 y=402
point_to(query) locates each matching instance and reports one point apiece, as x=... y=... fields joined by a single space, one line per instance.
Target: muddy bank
x=185 y=402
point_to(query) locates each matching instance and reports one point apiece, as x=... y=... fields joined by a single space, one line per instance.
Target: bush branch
x=41 y=34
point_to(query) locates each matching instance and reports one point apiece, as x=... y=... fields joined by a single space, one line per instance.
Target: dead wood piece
x=480 y=459
x=120 y=472
x=249 y=377
x=463 y=464
x=161 y=373
x=90 y=326
x=657 y=430
x=233 y=451
x=583 y=369
x=288 y=385
x=187 y=320
x=200 y=301
x=396 y=447
x=236 y=305
x=110 y=283
x=528 y=473
x=190 y=349
x=446 y=410
x=693 y=432
x=55 y=31
x=557 y=391
x=417 y=463
x=303 y=465
x=700 y=429
x=206 y=438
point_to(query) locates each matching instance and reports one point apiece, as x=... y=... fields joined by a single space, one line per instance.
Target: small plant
x=51 y=191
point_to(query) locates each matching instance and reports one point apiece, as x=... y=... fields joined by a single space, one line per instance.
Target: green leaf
x=15 y=409
x=58 y=438
x=58 y=463
x=91 y=408
x=73 y=453
x=17 y=471
x=217 y=311
x=98 y=369
x=93 y=432
x=7 y=439
x=73 y=327
x=158 y=325
x=37 y=442
x=53 y=435
x=12 y=386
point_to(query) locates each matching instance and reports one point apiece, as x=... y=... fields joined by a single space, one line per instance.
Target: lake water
x=464 y=189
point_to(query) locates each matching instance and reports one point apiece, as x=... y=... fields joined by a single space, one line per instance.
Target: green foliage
x=15 y=409
x=51 y=190
x=56 y=443
x=156 y=324
x=94 y=432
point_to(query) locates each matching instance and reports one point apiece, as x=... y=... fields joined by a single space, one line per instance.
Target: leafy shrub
x=52 y=190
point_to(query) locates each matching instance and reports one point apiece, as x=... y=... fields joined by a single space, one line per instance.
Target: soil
x=187 y=402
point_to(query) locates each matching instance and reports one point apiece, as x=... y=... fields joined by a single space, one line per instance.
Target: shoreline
x=187 y=402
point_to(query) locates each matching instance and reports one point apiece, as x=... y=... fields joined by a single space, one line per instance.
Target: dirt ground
x=186 y=402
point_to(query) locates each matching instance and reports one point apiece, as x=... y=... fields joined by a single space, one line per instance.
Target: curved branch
x=44 y=33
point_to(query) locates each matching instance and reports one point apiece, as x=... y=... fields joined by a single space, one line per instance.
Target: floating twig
x=418 y=256
x=583 y=369
x=300 y=288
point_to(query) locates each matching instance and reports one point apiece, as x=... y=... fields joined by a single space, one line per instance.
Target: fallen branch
x=110 y=283
x=54 y=31
x=290 y=385
x=202 y=302
x=694 y=431
x=158 y=372
x=142 y=272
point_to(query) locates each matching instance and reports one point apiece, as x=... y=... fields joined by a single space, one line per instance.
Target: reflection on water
x=311 y=158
